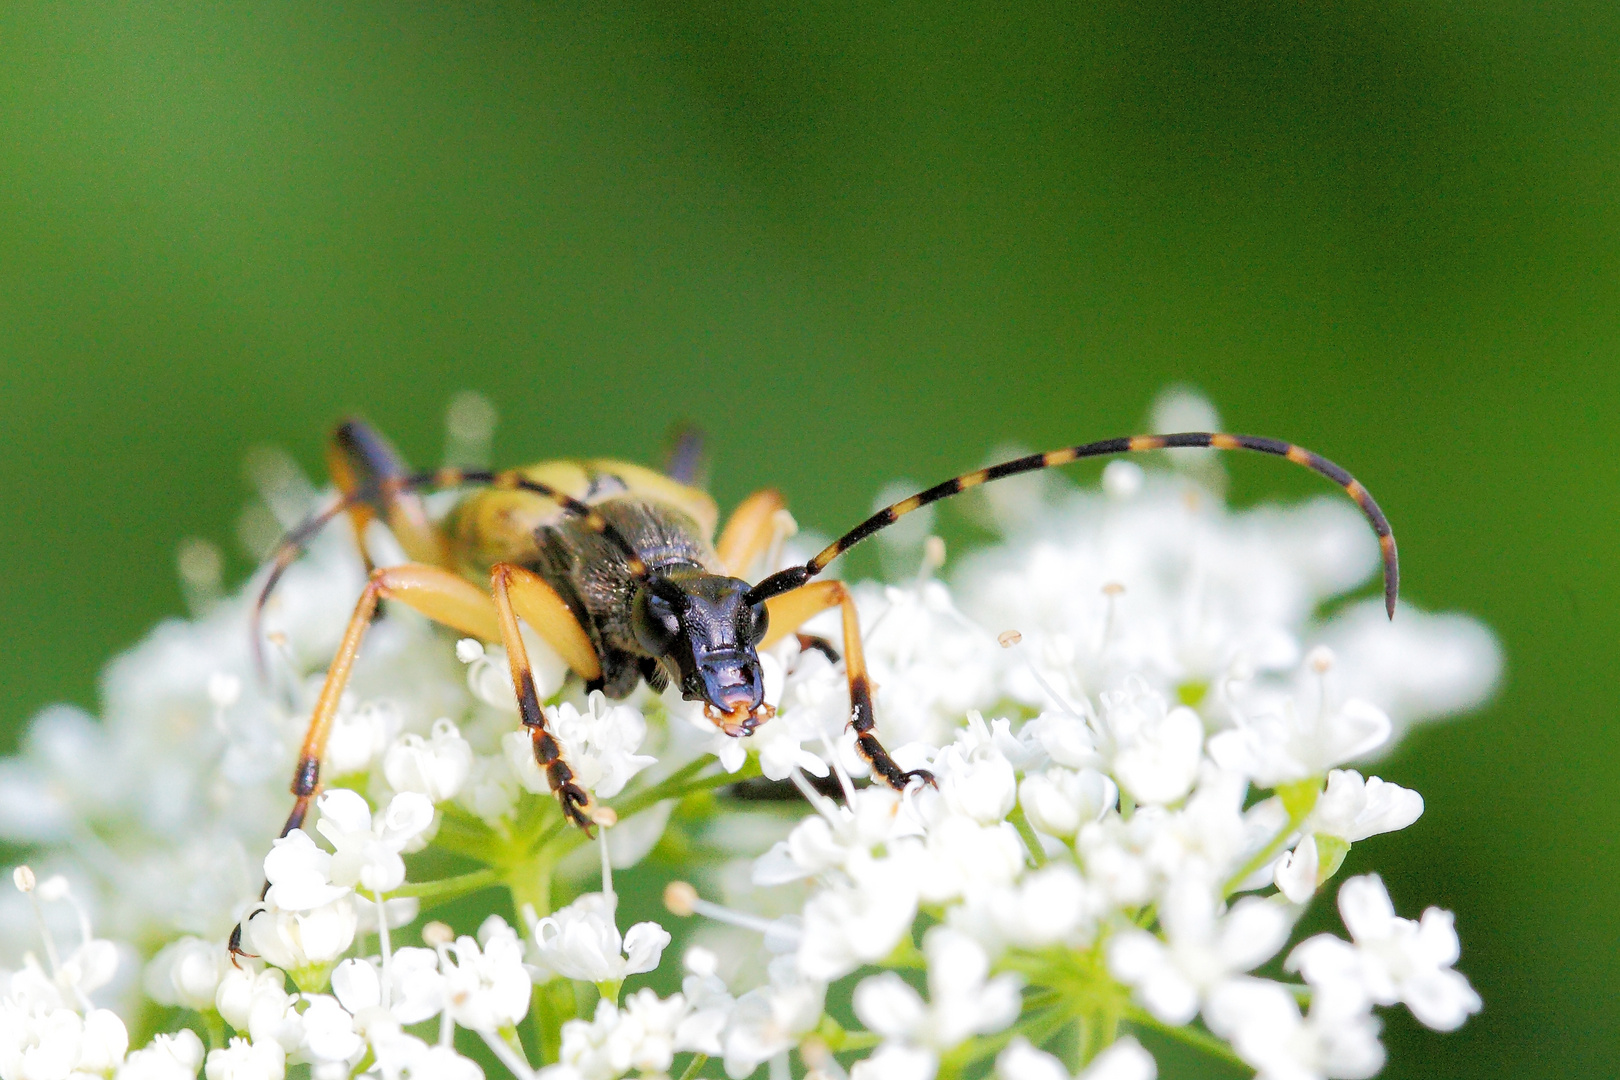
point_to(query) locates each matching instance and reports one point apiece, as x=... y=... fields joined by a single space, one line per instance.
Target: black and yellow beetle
x=618 y=568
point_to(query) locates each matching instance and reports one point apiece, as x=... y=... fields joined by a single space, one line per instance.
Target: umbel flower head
x=1153 y=721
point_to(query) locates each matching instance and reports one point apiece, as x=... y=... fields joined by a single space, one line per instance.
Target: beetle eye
x=759 y=622
x=655 y=623
x=659 y=609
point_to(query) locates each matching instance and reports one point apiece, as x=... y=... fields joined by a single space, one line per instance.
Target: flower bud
x=981 y=785
x=1059 y=801
x=296 y=940
x=436 y=767
x=187 y=972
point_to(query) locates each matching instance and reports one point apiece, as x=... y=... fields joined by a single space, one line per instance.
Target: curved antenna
x=795 y=576
x=295 y=542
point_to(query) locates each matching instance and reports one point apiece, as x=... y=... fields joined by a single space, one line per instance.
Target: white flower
x=1047 y=907
x=1393 y=959
x=487 y=987
x=366 y=850
x=858 y=921
x=1417 y=667
x=825 y=841
x=640 y=1036
x=1124 y=1059
x=1200 y=950
x=491 y=790
x=437 y=767
x=166 y=1057
x=929 y=662
x=187 y=972
x=1149 y=616
x=648 y=1024
x=1058 y=801
x=959 y=855
x=43 y=1043
x=1263 y=1023
x=963 y=1001
x=896 y=1061
x=442 y=1063
x=358 y=736
x=581 y=941
x=242 y=1060
x=297 y=940
x=1296 y=744
x=260 y=1005
x=329 y=1031
x=1130 y=860
x=1153 y=751
x=974 y=776
x=710 y=1003
x=780 y=744
x=773 y=1018
x=1349 y=810
x=300 y=874
x=1353 y=809
x=416 y=991
x=600 y=744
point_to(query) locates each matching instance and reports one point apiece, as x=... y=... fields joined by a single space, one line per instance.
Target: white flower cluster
x=1142 y=728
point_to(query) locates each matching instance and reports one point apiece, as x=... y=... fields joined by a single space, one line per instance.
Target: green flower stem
x=1097 y=1032
x=1038 y=1029
x=1299 y=799
x=695 y=1066
x=464 y=834
x=529 y=882
x=215 y=1026
x=852 y=1041
x=1194 y=1037
x=432 y=893
x=563 y=838
x=669 y=787
x=1037 y=854
x=554 y=1004
x=906 y=955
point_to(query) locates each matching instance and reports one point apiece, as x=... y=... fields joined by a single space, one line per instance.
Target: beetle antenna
x=795 y=576
x=296 y=542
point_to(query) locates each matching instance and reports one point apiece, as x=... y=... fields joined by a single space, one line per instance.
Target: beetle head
x=704 y=634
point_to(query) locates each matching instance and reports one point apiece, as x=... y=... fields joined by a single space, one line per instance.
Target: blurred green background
x=861 y=241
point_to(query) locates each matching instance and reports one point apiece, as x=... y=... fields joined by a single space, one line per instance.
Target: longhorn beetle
x=612 y=564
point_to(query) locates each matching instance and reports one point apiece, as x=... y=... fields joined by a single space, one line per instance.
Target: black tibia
x=862 y=720
x=234 y=949
x=306 y=780
x=573 y=799
x=764 y=789
x=789 y=611
x=810 y=642
x=548 y=755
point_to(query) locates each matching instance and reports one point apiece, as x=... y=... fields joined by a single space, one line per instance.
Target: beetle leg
x=438 y=594
x=752 y=530
x=520 y=592
x=788 y=612
x=457 y=603
x=358 y=456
